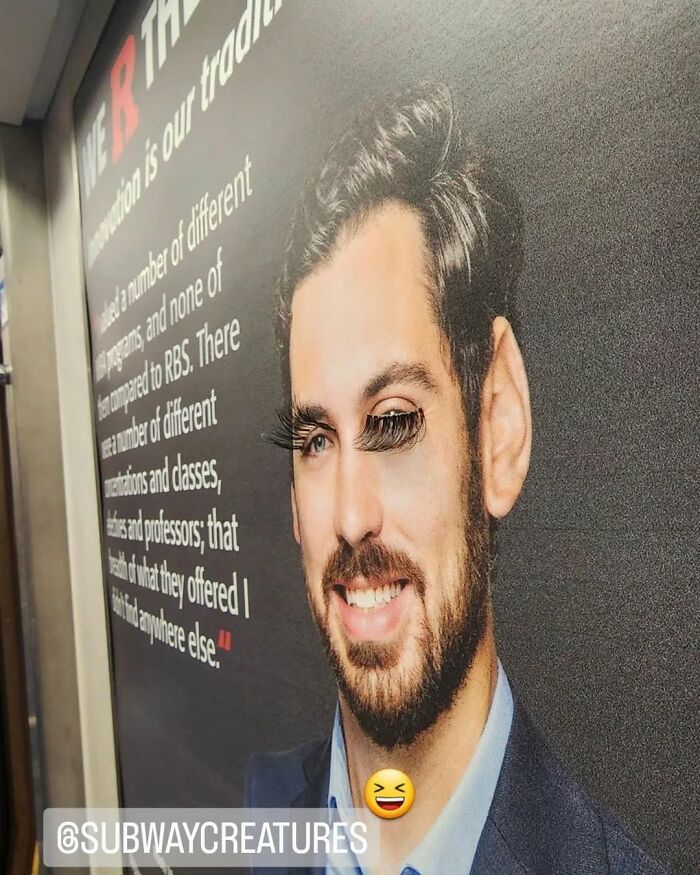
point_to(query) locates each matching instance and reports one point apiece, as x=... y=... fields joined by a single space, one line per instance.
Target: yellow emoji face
x=389 y=793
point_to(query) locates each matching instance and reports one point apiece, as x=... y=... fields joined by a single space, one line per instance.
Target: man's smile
x=369 y=594
x=372 y=609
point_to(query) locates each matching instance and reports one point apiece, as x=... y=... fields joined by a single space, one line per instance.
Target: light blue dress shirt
x=451 y=843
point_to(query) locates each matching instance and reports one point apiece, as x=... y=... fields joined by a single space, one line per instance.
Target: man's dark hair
x=410 y=149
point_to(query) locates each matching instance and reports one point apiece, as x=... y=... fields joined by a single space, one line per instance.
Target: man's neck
x=435 y=762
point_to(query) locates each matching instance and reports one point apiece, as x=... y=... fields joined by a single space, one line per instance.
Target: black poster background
x=592 y=107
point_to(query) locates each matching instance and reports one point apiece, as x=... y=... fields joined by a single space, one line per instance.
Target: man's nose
x=358 y=511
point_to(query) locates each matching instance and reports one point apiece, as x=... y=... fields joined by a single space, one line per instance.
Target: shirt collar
x=339 y=793
x=451 y=843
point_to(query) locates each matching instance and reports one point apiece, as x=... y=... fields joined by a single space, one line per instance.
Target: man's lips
x=368 y=593
x=371 y=609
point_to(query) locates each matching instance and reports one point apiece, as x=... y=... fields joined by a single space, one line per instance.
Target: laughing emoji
x=389 y=793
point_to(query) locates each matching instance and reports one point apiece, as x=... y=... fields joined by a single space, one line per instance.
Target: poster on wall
x=388 y=310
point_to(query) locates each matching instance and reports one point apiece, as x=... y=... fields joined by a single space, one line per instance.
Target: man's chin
x=397 y=691
x=372 y=679
x=382 y=706
x=370 y=655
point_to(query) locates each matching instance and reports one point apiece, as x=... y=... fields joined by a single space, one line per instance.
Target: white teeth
x=372 y=598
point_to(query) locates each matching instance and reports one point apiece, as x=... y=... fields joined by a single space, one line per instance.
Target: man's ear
x=506 y=422
x=295 y=516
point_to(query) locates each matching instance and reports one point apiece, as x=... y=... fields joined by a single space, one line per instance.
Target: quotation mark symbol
x=224 y=640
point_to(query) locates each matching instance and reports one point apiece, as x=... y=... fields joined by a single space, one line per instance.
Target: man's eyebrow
x=415 y=374
x=296 y=422
x=309 y=415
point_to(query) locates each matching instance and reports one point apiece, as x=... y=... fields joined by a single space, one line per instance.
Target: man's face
x=381 y=481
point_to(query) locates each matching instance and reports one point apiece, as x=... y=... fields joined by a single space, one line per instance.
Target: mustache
x=370 y=559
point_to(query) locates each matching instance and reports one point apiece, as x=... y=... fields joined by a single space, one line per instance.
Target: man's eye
x=316 y=444
x=396 y=429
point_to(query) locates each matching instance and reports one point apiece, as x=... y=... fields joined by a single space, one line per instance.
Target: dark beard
x=446 y=657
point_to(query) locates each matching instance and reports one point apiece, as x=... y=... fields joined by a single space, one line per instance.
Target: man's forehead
x=388 y=240
x=368 y=306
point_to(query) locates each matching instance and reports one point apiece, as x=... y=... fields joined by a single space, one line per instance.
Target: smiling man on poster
x=408 y=419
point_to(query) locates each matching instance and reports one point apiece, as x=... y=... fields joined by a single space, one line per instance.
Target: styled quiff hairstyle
x=410 y=150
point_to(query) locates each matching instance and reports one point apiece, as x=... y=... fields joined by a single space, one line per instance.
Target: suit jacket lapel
x=511 y=815
x=317 y=769
x=493 y=855
x=537 y=823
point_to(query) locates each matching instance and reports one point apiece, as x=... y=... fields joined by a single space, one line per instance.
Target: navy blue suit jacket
x=540 y=822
